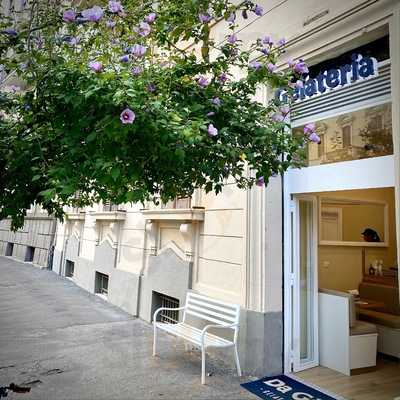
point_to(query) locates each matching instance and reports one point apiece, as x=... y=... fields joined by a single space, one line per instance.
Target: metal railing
x=168 y=316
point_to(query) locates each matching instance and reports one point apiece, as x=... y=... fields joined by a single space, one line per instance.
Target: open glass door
x=305 y=283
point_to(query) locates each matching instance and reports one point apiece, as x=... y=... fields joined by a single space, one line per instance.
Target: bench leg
x=203 y=366
x=154 y=340
x=239 y=371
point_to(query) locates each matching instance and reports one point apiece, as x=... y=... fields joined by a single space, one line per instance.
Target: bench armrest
x=207 y=327
x=165 y=308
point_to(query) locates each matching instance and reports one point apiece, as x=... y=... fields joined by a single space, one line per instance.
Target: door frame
x=297 y=365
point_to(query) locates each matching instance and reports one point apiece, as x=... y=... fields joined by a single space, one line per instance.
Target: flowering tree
x=113 y=105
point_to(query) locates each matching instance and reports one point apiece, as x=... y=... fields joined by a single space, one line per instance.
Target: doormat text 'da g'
x=283 y=387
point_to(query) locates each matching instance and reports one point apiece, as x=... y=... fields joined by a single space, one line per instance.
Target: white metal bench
x=221 y=314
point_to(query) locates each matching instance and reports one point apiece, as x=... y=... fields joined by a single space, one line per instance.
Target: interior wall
x=340 y=267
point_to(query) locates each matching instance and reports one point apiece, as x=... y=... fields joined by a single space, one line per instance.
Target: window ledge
x=109 y=215
x=75 y=216
x=102 y=296
x=180 y=214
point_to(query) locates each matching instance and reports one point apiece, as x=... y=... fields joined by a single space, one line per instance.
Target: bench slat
x=193 y=335
x=226 y=318
x=213 y=307
x=208 y=299
x=205 y=317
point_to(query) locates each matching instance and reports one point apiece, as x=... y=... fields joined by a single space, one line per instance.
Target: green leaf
x=91 y=137
x=48 y=194
x=115 y=172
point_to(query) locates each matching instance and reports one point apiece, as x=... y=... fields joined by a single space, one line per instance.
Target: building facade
x=33 y=242
x=270 y=249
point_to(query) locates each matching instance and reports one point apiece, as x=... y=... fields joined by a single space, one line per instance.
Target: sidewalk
x=68 y=344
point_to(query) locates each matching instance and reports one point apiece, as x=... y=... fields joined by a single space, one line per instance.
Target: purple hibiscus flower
x=124 y=58
x=315 y=138
x=299 y=84
x=231 y=18
x=291 y=63
x=205 y=18
x=144 y=29
x=151 y=87
x=138 y=50
x=260 y=181
x=150 y=18
x=232 y=38
x=110 y=24
x=267 y=40
x=69 y=16
x=258 y=10
x=271 y=67
x=216 y=101
x=127 y=116
x=96 y=66
x=203 y=81
x=93 y=14
x=72 y=40
x=309 y=128
x=285 y=110
x=265 y=50
x=301 y=67
x=137 y=70
x=281 y=42
x=115 y=6
x=212 y=130
x=210 y=114
x=223 y=77
x=277 y=117
x=256 y=65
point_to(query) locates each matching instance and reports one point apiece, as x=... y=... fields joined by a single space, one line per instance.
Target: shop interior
x=358 y=292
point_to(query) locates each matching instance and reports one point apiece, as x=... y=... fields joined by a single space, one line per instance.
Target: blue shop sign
x=361 y=68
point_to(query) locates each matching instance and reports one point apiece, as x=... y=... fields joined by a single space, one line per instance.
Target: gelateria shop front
x=342 y=309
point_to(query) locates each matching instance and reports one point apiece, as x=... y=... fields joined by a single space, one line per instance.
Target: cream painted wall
x=220 y=266
x=340 y=267
x=219 y=259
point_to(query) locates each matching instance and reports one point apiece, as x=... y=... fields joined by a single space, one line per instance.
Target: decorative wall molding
x=111 y=220
x=72 y=216
x=255 y=249
x=175 y=214
x=108 y=215
x=175 y=248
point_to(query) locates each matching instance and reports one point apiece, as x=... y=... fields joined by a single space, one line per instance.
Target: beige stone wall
x=221 y=269
x=38 y=232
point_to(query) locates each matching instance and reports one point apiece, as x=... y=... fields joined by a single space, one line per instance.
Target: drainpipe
x=144 y=257
x=50 y=255
x=283 y=268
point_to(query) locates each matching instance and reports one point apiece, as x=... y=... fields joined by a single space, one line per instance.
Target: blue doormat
x=282 y=387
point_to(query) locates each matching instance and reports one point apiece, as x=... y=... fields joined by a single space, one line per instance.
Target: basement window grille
x=168 y=316
x=178 y=203
x=108 y=206
x=30 y=252
x=9 y=249
x=69 y=268
x=101 y=284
